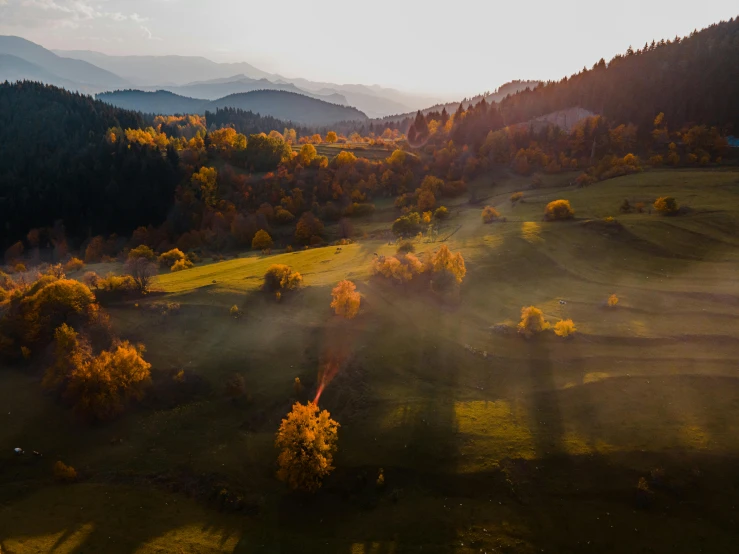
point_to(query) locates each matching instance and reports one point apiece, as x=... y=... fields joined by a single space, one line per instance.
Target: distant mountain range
x=173 y=72
x=284 y=105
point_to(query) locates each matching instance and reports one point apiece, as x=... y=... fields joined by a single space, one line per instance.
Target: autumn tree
x=306 y=440
x=331 y=137
x=99 y=387
x=445 y=262
x=261 y=240
x=489 y=214
x=532 y=321
x=309 y=226
x=558 y=210
x=281 y=277
x=142 y=271
x=345 y=299
x=564 y=328
x=612 y=301
x=307 y=154
x=666 y=205
x=169 y=258
x=142 y=252
x=204 y=181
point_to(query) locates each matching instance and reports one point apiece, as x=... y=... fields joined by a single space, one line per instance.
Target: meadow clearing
x=488 y=442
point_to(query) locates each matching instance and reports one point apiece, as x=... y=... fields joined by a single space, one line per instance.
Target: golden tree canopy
x=558 y=210
x=532 y=321
x=261 y=240
x=444 y=260
x=345 y=299
x=307 y=442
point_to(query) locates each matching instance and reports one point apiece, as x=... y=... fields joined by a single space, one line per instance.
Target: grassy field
x=359 y=149
x=488 y=442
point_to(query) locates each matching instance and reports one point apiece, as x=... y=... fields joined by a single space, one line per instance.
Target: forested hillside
x=57 y=165
x=690 y=80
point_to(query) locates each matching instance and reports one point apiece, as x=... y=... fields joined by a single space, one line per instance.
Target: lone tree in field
x=261 y=240
x=489 y=214
x=345 y=299
x=532 y=322
x=142 y=271
x=307 y=442
x=331 y=137
x=559 y=210
x=612 y=301
x=564 y=328
x=666 y=205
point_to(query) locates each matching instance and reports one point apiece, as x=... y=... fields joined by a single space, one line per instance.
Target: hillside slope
x=81 y=75
x=286 y=106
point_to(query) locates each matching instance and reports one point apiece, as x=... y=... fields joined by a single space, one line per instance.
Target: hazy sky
x=460 y=47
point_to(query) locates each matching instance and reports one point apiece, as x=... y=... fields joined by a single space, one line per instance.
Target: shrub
x=117 y=283
x=179 y=265
x=345 y=299
x=64 y=473
x=235 y=312
x=280 y=277
x=169 y=258
x=407 y=225
x=441 y=213
x=489 y=214
x=91 y=279
x=612 y=301
x=583 y=180
x=307 y=441
x=532 y=321
x=19 y=268
x=261 y=240
x=666 y=205
x=516 y=196
x=559 y=210
x=564 y=328
x=406 y=247
x=74 y=264
x=142 y=252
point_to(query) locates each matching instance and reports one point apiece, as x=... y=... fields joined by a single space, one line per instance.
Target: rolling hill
x=287 y=106
x=218 y=88
x=80 y=75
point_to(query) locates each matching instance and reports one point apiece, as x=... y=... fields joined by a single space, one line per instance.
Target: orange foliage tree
x=489 y=214
x=446 y=262
x=331 y=137
x=261 y=240
x=280 y=277
x=99 y=387
x=307 y=442
x=345 y=299
x=564 y=328
x=532 y=321
x=559 y=210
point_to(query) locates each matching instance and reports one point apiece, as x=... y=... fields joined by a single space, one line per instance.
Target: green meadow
x=489 y=442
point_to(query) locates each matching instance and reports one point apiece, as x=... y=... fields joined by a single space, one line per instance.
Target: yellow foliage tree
x=331 y=137
x=532 y=321
x=307 y=154
x=612 y=301
x=205 y=181
x=559 y=210
x=489 y=214
x=666 y=205
x=445 y=261
x=64 y=473
x=307 y=442
x=402 y=268
x=261 y=240
x=171 y=257
x=74 y=264
x=99 y=387
x=564 y=328
x=345 y=299
x=280 y=277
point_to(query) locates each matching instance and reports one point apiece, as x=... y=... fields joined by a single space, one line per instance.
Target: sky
x=448 y=49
